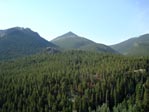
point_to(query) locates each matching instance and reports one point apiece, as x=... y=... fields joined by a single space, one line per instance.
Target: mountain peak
x=69 y=34
x=19 y=29
x=69 y=41
x=66 y=35
x=17 y=41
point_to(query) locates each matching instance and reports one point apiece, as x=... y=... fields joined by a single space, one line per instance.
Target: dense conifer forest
x=75 y=81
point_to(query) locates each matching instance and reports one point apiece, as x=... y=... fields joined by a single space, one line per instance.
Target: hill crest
x=69 y=41
x=134 y=46
x=18 y=41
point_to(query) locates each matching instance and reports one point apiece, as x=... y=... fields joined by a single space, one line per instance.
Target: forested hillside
x=18 y=42
x=134 y=46
x=75 y=81
x=71 y=41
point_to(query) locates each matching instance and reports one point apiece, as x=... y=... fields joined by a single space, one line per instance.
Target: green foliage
x=74 y=81
x=146 y=95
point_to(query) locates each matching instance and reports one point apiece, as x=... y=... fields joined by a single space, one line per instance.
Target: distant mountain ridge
x=70 y=41
x=18 y=41
x=134 y=46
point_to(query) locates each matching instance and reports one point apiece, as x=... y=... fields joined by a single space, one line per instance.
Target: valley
x=72 y=74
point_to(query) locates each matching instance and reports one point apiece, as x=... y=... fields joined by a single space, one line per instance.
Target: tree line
x=76 y=81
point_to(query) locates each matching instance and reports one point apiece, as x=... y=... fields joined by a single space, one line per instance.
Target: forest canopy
x=78 y=81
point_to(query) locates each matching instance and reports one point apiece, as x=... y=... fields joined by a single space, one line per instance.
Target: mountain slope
x=134 y=46
x=16 y=42
x=72 y=41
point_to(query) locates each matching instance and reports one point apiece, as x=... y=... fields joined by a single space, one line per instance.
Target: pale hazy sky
x=103 y=21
